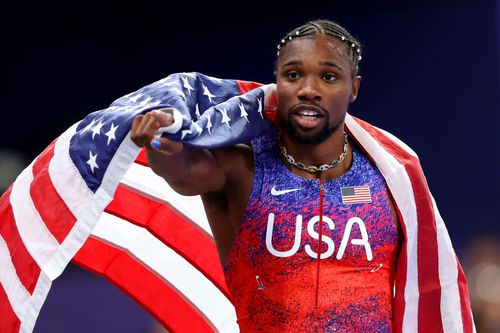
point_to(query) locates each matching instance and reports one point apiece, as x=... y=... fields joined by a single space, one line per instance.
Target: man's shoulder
x=364 y=132
x=234 y=159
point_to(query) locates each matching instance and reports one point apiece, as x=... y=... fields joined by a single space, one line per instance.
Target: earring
x=353 y=98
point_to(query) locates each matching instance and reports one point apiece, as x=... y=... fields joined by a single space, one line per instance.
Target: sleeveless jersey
x=273 y=272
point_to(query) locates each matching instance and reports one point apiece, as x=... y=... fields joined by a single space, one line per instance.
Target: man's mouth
x=309 y=113
x=308 y=110
x=307 y=116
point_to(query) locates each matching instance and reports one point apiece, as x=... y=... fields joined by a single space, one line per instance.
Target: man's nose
x=310 y=90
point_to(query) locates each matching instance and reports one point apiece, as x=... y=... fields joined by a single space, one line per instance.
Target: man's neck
x=318 y=154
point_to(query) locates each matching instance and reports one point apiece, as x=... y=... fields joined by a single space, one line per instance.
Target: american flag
x=356 y=194
x=90 y=197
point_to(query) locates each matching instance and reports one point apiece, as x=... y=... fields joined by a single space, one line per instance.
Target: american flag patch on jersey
x=356 y=194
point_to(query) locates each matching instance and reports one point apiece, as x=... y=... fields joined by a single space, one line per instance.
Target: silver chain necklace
x=313 y=168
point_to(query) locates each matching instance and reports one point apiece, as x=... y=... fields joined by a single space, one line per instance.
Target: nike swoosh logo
x=276 y=192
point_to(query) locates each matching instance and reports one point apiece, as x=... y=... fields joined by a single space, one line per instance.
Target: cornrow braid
x=330 y=28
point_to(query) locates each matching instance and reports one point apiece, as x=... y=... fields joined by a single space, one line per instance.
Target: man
x=305 y=226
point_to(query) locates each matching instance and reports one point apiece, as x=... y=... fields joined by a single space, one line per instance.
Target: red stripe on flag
x=141 y=158
x=26 y=268
x=154 y=293
x=269 y=108
x=8 y=319
x=246 y=86
x=464 y=300
x=429 y=313
x=47 y=201
x=173 y=229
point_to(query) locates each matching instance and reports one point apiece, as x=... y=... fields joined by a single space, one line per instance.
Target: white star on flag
x=92 y=161
x=197 y=111
x=111 y=133
x=88 y=126
x=185 y=132
x=135 y=98
x=197 y=127
x=209 y=124
x=186 y=84
x=146 y=101
x=225 y=117
x=259 y=110
x=243 y=113
x=97 y=129
x=207 y=93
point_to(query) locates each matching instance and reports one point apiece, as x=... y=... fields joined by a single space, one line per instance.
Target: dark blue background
x=430 y=70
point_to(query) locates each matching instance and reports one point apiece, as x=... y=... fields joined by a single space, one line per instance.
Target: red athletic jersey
x=273 y=273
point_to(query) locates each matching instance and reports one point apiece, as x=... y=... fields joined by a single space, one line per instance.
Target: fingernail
x=155 y=143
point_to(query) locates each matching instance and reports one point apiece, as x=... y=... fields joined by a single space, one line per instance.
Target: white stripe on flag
x=451 y=309
x=88 y=210
x=38 y=240
x=35 y=303
x=67 y=180
x=145 y=180
x=175 y=269
x=25 y=306
x=121 y=162
x=400 y=186
x=16 y=292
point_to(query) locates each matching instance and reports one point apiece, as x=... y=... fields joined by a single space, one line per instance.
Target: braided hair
x=329 y=28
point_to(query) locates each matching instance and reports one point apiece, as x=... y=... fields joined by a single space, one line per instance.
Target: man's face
x=314 y=86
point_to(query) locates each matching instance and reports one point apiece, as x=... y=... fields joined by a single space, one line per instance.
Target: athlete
x=306 y=229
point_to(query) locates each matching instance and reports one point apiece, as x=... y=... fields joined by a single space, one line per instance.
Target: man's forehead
x=302 y=45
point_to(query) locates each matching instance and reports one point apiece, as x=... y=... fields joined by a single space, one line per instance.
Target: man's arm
x=189 y=171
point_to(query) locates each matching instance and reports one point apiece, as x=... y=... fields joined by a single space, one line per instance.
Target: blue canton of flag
x=214 y=113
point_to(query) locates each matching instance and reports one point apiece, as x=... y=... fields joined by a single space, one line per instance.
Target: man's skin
x=313 y=73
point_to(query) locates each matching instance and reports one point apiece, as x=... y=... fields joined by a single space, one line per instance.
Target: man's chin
x=308 y=135
x=311 y=136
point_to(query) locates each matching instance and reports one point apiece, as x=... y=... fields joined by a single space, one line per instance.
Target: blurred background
x=431 y=76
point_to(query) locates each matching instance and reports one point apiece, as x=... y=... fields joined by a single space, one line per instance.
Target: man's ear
x=356 y=82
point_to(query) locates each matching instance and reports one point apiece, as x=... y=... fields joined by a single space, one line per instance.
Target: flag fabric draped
x=431 y=293
x=90 y=197
x=94 y=174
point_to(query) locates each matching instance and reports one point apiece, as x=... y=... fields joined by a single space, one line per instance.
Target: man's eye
x=293 y=75
x=330 y=77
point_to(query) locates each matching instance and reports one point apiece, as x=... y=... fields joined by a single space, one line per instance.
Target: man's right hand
x=144 y=132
